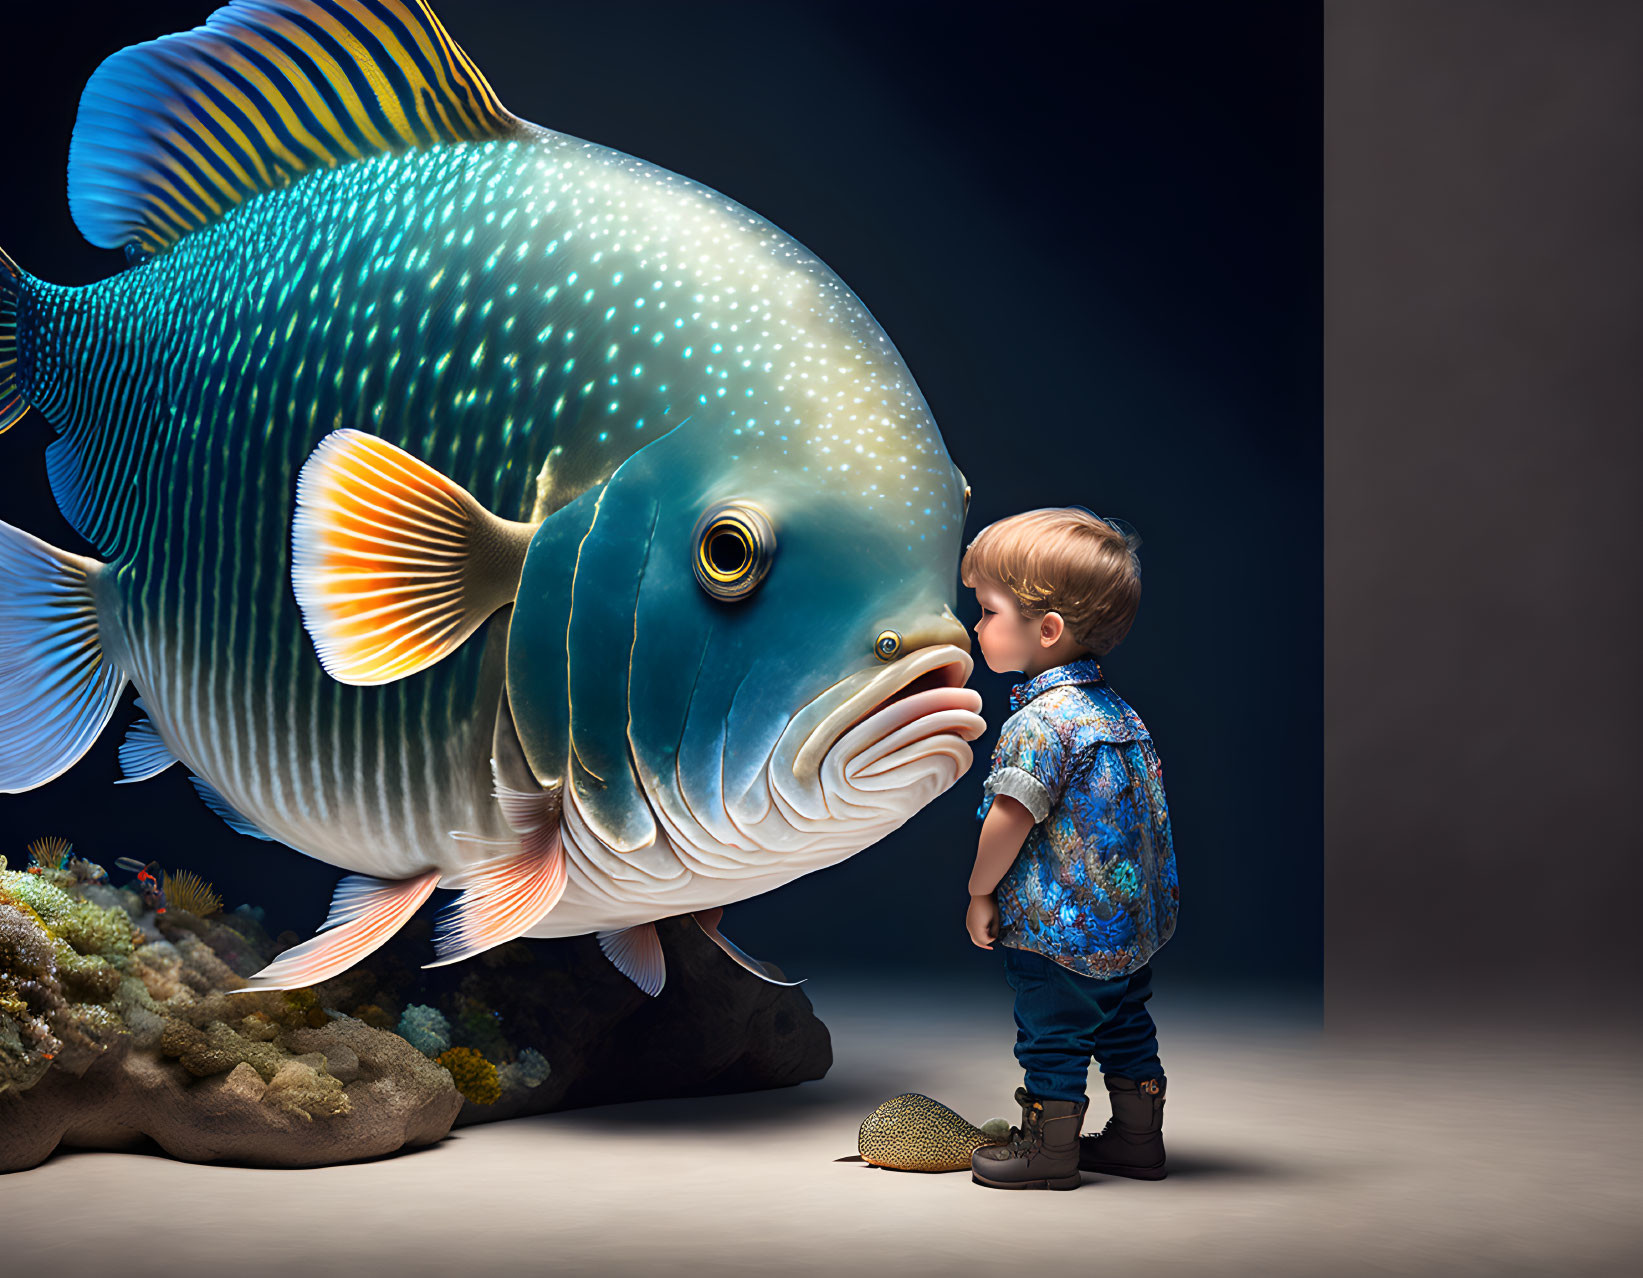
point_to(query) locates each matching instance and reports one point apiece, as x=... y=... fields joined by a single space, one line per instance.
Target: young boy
x=1075 y=869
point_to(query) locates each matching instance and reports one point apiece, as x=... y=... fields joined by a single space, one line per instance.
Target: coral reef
x=120 y=1023
x=117 y=1022
x=89 y=928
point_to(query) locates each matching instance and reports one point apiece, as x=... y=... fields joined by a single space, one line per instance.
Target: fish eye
x=734 y=545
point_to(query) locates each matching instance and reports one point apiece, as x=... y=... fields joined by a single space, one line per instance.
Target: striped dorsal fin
x=173 y=133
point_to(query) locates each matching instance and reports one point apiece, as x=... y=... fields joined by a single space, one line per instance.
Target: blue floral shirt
x=1094 y=884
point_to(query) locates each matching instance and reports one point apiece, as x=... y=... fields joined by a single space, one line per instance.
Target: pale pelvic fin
x=393 y=564
x=708 y=921
x=236 y=820
x=637 y=953
x=365 y=912
x=143 y=753
x=509 y=894
x=58 y=687
x=173 y=133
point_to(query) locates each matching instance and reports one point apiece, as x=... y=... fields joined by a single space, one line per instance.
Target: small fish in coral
x=149 y=884
x=86 y=871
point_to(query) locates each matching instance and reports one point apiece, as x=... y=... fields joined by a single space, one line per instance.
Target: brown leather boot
x=1040 y=1154
x=1132 y=1142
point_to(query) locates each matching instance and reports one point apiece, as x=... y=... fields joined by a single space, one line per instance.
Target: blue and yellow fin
x=58 y=687
x=11 y=396
x=143 y=753
x=637 y=953
x=174 y=132
x=365 y=913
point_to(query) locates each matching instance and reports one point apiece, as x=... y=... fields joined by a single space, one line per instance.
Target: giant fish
x=476 y=506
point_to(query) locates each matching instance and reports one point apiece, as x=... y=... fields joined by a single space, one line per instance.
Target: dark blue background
x=1097 y=242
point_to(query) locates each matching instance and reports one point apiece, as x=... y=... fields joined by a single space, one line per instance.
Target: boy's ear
x=1050 y=628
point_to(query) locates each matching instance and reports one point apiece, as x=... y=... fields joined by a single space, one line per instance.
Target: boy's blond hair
x=1067 y=560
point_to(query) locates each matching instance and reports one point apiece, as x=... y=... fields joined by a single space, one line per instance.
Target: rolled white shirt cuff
x=1022 y=786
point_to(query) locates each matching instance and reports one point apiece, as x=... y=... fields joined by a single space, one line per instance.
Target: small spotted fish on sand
x=911 y=1132
x=476 y=506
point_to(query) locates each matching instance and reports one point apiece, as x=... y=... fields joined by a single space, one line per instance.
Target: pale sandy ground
x=1291 y=1153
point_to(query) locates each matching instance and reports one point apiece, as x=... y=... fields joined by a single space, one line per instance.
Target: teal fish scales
x=391 y=460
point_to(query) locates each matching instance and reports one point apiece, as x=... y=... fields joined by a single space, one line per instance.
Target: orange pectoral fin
x=393 y=564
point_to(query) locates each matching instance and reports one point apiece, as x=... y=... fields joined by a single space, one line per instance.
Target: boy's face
x=1008 y=640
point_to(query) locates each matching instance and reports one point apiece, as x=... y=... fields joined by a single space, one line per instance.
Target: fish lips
x=843 y=753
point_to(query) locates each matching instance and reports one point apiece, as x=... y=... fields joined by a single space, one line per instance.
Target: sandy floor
x=1290 y=1154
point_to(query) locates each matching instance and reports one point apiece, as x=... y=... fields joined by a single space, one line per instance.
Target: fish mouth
x=917 y=697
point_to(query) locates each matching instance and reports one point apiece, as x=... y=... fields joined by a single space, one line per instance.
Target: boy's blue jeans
x=1063 y=1019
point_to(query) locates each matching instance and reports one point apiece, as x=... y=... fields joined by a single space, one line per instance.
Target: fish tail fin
x=365 y=913
x=12 y=403
x=58 y=686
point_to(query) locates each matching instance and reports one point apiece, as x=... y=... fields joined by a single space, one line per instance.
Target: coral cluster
x=475 y=1076
x=83 y=964
x=482 y=1062
x=480 y=1027
x=63 y=960
x=425 y=1028
x=50 y=853
x=185 y=890
x=118 y=1020
x=529 y=1071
